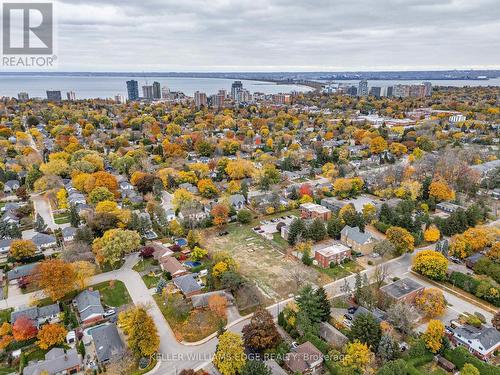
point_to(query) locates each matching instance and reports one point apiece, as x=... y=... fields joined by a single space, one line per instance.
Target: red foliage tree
x=24 y=329
x=306 y=190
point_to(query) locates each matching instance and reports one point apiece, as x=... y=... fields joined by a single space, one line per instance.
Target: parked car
x=225 y=233
x=109 y=312
x=348 y=316
x=347 y=323
x=352 y=309
x=294 y=344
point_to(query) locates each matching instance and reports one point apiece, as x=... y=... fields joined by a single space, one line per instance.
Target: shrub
x=460 y=356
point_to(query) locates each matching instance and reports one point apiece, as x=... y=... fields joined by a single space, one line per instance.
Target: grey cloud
x=191 y=35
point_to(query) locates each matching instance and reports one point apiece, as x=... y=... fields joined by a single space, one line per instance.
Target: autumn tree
x=83 y=272
x=5 y=329
x=432 y=234
x=100 y=194
x=23 y=329
x=181 y=198
x=55 y=277
x=431 y=264
x=229 y=357
x=441 y=191
x=22 y=249
x=198 y=253
x=469 y=369
x=220 y=213
x=496 y=320
x=140 y=329
x=434 y=335
x=261 y=333
x=114 y=244
x=377 y=145
x=207 y=188
x=218 y=305
x=255 y=367
x=357 y=356
x=50 y=335
x=431 y=302
x=402 y=240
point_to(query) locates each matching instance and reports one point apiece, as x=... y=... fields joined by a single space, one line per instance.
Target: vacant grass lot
x=342 y=270
x=193 y=327
x=61 y=218
x=263 y=261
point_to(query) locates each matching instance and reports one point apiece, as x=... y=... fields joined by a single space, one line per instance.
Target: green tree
x=74 y=217
x=100 y=194
x=334 y=226
x=244 y=216
x=39 y=224
x=388 y=349
x=297 y=228
x=114 y=244
x=324 y=304
x=316 y=231
x=255 y=368
x=367 y=330
x=309 y=302
x=469 y=369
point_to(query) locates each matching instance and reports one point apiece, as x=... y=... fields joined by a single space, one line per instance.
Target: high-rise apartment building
x=156 y=90
x=401 y=91
x=120 y=99
x=71 y=95
x=375 y=91
x=133 y=90
x=23 y=96
x=363 y=88
x=54 y=95
x=428 y=88
x=165 y=92
x=236 y=87
x=200 y=99
x=147 y=92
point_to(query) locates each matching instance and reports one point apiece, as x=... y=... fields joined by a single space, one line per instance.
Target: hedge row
x=460 y=356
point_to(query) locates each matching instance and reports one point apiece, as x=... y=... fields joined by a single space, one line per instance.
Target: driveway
x=166 y=200
x=42 y=207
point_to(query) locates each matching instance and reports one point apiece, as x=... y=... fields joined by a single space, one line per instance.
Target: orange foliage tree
x=23 y=329
x=50 y=335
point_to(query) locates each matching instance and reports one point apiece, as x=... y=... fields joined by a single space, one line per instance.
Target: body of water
x=86 y=87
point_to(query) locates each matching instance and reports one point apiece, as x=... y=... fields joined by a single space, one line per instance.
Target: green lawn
x=340 y=271
x=431 y=368
x=5 y=315
x=35 y=354
x=115 y=296
x=7 y=370
x=150 y=281
x=145 y=264
x=61 y=218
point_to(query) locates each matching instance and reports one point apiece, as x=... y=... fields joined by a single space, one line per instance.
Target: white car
x=109 y=313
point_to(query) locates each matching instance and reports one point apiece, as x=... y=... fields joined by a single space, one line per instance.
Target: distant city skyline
x=274 y=35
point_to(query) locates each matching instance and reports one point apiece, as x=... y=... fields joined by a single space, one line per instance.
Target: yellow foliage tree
x=431 y=302
x=434 y=335
x=62 y=199
x=50 y=335
x=357 y=356
x=431 y=263
x=230 y=355
x=432 y=234
x=440 y=190
x=401 y=239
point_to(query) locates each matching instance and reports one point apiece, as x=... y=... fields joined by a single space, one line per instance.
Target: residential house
x=305 y=359
x=107 y=342
x=313 y=211
x=11 y=186
x=333 y=253
x=357 y=240
x=39 y=315
x=187 y=285
x=201 y=301
x=471 y=261
x=21 y=271
x=237 y=201
x=57 y=361
x=10 y=217
x=68 y=234
x=405 y=290
x=275 y=368
x=88 y=304
x=482 y=342
x=76 y=198
x=173 y=266
x=5 y=246
x=44 y=241
x=378 y=314
x=332 y=335
x=448 y=207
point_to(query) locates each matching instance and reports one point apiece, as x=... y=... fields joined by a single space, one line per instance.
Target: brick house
x=332 y=253
x=305 y=359
x=313 y=211
x=405 y=290
x=482 y=342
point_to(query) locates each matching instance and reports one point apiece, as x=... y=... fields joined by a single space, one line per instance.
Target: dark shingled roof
x=401 y=288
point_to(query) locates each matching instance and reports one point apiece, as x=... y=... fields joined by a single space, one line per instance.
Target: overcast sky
x=276 y=35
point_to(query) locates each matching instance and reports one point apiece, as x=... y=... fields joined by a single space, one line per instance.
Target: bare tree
x=380 y=274
x=402 y=316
